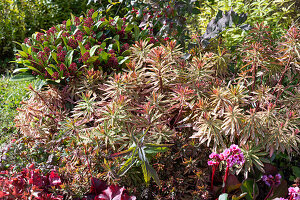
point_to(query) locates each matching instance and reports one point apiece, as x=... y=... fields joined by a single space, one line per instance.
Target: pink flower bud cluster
x=294 y=192
x=232 y=156
x=61 y=56
x=270 y=180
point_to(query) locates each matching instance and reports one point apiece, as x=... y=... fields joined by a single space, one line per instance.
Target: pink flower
x=87 y=46
x=88 y=22
x=73 y=67
x=61 y=56
x=90 y=12
x=85 y=56
x=39 y=36
x=62 y=67
x=294 y=192
x=72 y=43
x=55 y=76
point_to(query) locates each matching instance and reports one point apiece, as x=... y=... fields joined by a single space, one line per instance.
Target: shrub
x=20 y=19
x=65 y=51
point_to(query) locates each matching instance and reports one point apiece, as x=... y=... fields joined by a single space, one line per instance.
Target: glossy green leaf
x=93 y=49
x=69 y=57
x=250 y=187
x=92 y=59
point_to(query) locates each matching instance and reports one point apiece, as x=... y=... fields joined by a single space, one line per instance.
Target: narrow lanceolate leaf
x=153 y=173
x=123 y=153
x=127 y=165
x=69 y=57
x=146 y=172
x=54 y=56
x=158 y=145
x=82 y=48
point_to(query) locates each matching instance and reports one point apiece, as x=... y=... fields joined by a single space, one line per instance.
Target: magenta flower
x=294 y=192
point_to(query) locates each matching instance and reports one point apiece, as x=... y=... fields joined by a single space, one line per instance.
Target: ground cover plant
x=120 y=105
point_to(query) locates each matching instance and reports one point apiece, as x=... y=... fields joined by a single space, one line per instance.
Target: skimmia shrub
x=66 y=51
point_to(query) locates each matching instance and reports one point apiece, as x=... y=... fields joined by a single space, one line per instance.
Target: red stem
x=212 y=177
x=270 y=192
x=225 y=179
x=291 y=197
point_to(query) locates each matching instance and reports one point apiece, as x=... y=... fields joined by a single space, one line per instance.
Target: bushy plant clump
x=67 y=50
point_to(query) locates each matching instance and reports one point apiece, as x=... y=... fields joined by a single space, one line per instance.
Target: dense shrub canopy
x=137 y=100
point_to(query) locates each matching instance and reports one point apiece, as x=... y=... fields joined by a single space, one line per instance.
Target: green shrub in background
x=277 y=14
x=21 y=18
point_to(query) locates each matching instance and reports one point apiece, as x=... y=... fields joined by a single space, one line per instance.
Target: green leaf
x=247 y=186
x=93 y=49
x=223 y=196
x=117 y=45
x=122 y=59
x=98 y=36
x=95 y=14
x=136 y=32
x=49 y=70
x=296 y=171
x=34 y=69
x=87 y=30
x=68 y=24
x=82 y=48
x=126 y=166
x=69 y=57
x=54 y=56
x=146 y=172
x=153 y=173
x=23 y=54
x=25 y=76
x=92 y=59
x=123 y=153
x=103 y=56
x=20 y=70
x=129 y=27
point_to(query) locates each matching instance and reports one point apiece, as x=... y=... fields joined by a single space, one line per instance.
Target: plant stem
x=225 y=179
x=212 y=177
x=270 y=192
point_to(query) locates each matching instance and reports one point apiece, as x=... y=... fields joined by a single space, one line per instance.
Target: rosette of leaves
x=65 y=51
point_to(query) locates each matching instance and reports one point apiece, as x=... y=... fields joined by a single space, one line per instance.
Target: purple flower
x=272 y=181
